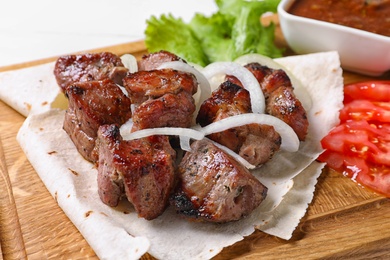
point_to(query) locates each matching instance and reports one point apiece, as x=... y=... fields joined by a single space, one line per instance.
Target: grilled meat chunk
x=145 y=85
x=213 y=186
x=152 y=61
x=163 y=98
x=92 y=104
x=170 y=110
x=110 y=183
x=281 y=101
x=256 y=143
x=142 y=170
x=228 y=99
x=88 y=67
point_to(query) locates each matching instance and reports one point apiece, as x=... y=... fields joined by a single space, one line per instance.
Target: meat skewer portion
x=255 y=143
x=280 y=99
x=170 y=110
x=162 y=98
x=213 y=186
x=92 y=104
x=141 y=170
x=88 y=67
x=146 y=85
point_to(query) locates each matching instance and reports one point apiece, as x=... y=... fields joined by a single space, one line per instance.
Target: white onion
x=244 y=76
x=255 y=57
x=195 y=66
x=290 y=141
x=204 y=85
x=185 y=134
x=185 y=143
x=179 y=131
x=130 y=62
x=126 y=127
x=124 y=91
x=299 y=90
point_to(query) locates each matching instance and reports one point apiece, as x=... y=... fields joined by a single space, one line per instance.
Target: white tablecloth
x=36 y=29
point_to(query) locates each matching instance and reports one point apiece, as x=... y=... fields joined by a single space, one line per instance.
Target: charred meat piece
x=92 y=104
x=88 y=67
x=162 y=98
x=144 y=85
x=256 y=143
x=141 y=170
x=260 y=144
x=281 y=101
x=153 y=60
x=213 y=186
x=228 y=99
x=170 y=110
x=110 y=182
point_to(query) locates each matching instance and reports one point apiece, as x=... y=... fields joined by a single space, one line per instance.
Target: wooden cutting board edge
x=136 y=48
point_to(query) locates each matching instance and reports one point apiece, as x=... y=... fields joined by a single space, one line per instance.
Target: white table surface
x=37 y=29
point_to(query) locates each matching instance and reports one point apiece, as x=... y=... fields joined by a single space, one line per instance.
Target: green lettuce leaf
x=172 y=34
x=232 y=31
x=215 y=36
x=249 y=36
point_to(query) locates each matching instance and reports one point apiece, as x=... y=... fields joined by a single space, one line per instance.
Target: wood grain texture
x=344 y=221
x=11 y=238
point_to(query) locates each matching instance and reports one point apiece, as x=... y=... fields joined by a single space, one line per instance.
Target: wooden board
x=343 y=221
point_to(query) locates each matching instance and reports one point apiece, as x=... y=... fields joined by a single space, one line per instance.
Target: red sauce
x=369 y=15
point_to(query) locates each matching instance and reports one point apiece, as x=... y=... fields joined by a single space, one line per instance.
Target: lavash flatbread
x=30 y=90
x=117 y=233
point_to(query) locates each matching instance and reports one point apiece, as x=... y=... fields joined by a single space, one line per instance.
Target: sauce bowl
x=360 y=51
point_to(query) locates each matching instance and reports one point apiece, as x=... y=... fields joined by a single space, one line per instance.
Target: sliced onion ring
x=255 y=57
x=246 y=78
x=130 y=62
x=185 y=133
x=299 y=90
x=290 y=141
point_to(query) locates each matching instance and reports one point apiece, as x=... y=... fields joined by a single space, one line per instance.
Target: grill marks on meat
x=88 y=67
x=256 y=143
x=163 y=98
x=228 y=100
x=92 y=104
x=214 y=187
x=281 y=101
x=170 y=110
x=142 y=170
x=145 y=85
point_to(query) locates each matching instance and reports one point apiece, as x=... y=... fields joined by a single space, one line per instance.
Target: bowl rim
x=285 y=4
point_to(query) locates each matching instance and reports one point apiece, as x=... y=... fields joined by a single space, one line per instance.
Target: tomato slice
x=383 y=143
x=378 y=90
x=360 y=146
x=378 y=179
x=367 y=110
x=360 y=139
x=370 y=169
x=348 y=165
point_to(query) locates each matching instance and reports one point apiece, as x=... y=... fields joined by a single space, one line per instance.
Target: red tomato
x=360 y=146
x=378 y=90
x=360 y=139
x=367 y=110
